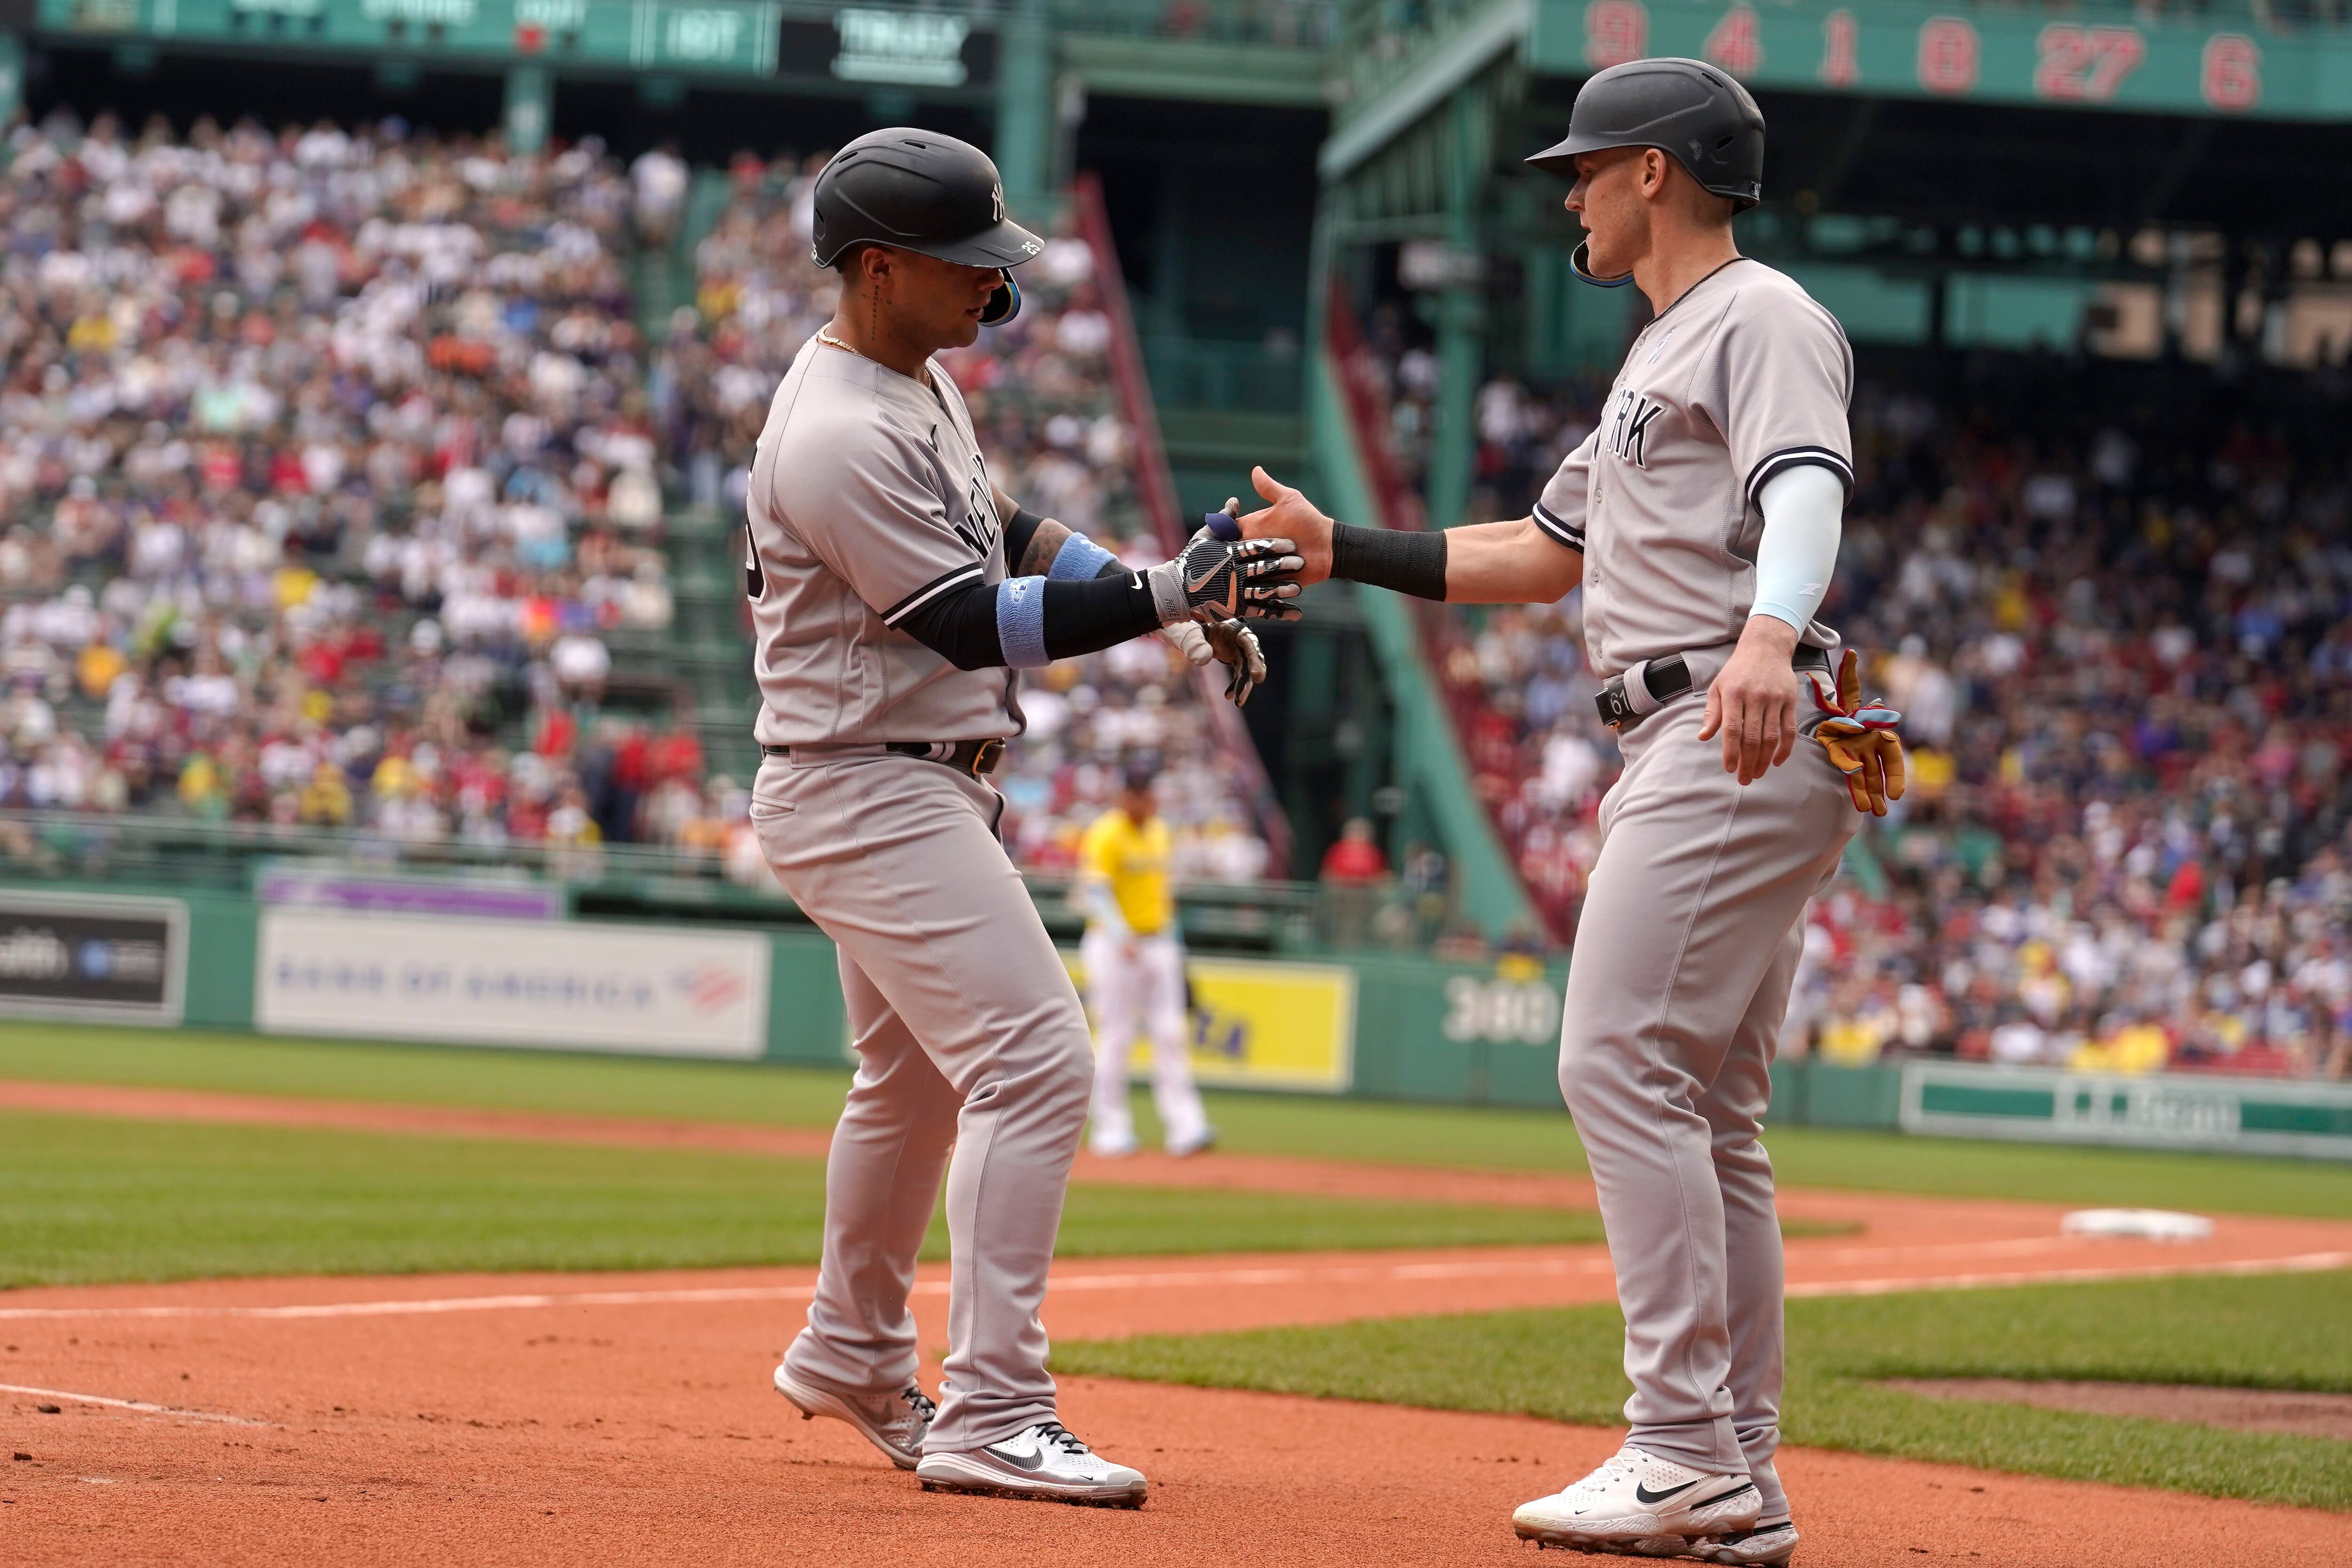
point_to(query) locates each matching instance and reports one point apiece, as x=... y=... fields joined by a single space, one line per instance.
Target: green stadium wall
x=1413 y=1029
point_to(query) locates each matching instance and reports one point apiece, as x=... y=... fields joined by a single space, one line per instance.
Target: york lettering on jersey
x=1629 y=426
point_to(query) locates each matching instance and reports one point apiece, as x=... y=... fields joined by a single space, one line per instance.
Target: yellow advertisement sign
x=1262 y=1026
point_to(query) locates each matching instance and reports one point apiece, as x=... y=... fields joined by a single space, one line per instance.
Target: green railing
x=1198 y=373
x=642 y=881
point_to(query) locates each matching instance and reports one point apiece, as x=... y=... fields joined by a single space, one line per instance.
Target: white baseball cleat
x=1045 y=1461
x=1113 y=1148
x=894 y=1423
x=1636 y=1502
x=1200 y=1142
x=1769 y=1544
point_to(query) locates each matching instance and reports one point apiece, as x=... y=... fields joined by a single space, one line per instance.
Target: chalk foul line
x=1522 y=1267
x=140 y=1405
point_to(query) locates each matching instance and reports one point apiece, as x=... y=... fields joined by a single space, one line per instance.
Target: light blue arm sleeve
x=1021 y=622
x=1803 y=509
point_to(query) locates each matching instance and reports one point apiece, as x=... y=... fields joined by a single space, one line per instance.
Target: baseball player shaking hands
x=1702 y=521
x=895 y=593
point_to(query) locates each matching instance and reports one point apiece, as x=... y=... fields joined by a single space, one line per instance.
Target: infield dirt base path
x=572 y=1418
x=564 y=1419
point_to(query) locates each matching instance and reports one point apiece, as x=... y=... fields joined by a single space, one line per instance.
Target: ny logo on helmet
x=996 y=203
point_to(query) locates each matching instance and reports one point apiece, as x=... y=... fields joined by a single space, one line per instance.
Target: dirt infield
x=625 y=1418
x=574 y=1418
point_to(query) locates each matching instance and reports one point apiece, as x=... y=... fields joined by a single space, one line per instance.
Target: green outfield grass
x=1299 y=1125
x=88 y=1199
x=2286 y=1331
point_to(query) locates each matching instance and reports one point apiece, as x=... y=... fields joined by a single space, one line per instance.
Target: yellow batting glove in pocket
x=1860 y=739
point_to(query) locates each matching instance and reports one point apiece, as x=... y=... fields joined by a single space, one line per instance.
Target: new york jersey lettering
x=1629 y=426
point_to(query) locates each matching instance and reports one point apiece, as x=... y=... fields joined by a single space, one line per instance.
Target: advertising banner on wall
x=2176 y=1110
x=92 y=955
x=562 y=986
x=1263 y=1026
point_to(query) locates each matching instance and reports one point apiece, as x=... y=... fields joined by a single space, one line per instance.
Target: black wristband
x=1407 y=562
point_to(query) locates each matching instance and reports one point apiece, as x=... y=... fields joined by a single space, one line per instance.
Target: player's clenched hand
x=1290 y=516
x=1753 y=703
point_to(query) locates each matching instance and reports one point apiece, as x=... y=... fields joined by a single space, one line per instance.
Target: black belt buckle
x=985 y=756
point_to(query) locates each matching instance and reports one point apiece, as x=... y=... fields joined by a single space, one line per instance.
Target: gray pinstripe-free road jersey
x=869 y=496
x=1688 y=937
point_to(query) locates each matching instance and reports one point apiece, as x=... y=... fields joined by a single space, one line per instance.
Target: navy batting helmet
x=922 y=191
x=1700 y=115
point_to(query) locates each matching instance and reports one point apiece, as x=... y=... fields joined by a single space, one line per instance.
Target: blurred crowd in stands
x=2114 y=603
x=333 y=472
x=1042 y=400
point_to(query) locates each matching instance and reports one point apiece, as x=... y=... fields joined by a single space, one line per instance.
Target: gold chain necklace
x=829 y=341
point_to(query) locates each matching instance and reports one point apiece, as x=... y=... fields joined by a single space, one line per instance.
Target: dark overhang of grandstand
x=2089 y=177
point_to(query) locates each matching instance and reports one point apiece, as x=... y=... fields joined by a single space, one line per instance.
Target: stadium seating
x=2110 y=603
x=339 y=482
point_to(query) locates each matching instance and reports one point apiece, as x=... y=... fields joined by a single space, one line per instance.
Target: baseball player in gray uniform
x=1701 y=518
x=896 y=592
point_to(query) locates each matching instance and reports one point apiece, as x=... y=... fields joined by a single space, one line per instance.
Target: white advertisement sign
x=566 y=986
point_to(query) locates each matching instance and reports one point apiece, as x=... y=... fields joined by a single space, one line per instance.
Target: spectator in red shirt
x=1355 y=859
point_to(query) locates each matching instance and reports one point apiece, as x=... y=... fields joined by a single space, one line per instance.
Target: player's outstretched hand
x=1290 y=515
x=1753 y=703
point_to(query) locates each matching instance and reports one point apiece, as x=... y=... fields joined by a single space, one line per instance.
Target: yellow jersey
x=1132 y=859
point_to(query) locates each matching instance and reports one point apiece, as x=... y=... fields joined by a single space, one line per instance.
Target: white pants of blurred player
x=1136 y=984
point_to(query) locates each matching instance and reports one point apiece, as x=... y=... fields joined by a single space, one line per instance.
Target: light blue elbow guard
x=1080 y=560
x=1021 y=621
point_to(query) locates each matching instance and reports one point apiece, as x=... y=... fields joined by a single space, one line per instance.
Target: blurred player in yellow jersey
x=1135 y=972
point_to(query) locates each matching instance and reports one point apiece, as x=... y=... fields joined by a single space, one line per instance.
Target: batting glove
x=1860 y=739
x=1213 y=579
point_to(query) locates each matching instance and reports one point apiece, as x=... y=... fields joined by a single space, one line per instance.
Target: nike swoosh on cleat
x=1643 y=1494
x=1018 y=1463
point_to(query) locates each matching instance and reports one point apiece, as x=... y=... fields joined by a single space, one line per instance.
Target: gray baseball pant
x=1684 y=950
x=969 y=1034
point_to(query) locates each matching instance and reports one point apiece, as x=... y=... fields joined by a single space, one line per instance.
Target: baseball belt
x=976 y=759
x=1626 y=699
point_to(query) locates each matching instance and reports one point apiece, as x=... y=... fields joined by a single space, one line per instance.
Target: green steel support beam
x=1460 y=57
x=1429 y=763
x=1461 y=309
x=12 y=76
x=531 y=108
x=1025 y=109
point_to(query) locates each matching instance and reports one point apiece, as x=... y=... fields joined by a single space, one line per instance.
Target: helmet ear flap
x=1004 y=304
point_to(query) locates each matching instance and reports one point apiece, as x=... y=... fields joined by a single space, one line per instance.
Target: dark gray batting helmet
x=926 y=192
x=1694 y=111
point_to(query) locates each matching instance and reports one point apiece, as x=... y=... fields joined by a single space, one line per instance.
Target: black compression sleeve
x=1102 y=611
x=959 y=626
x=1410 y=563
x=1018 y=532
x=1080 y=618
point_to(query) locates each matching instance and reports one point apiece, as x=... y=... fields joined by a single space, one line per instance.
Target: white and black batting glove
x=1236 y=648
x=1213 y=579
